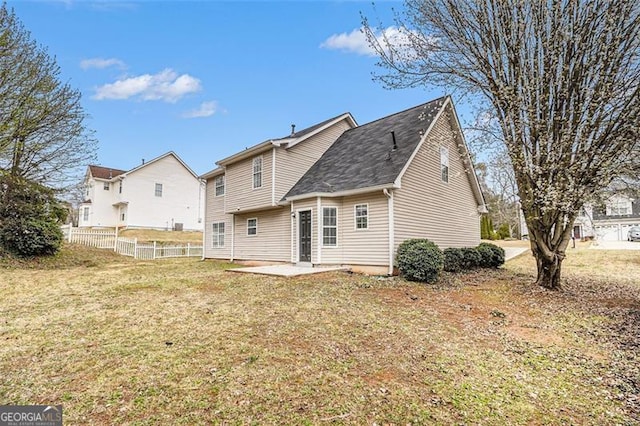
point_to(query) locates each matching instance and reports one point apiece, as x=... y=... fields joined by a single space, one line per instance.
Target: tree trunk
x=548 y=269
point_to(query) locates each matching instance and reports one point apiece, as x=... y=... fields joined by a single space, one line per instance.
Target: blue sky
x=207 y=79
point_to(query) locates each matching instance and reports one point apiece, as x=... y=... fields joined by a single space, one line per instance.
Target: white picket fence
x=109 y=239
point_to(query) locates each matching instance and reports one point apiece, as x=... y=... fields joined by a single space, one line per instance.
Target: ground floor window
x=85 y=214
x=362 y=216
x=218 y=235
x=329 y=227
x=252 y=226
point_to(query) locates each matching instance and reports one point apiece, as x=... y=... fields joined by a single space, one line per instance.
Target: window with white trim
x=444 y=164
x=85 y=214
x=619 y=205
x=105 y=186
x=362 y=216
x=120 y=188
x=217 y=235
x=329 y=226
x=257 y=172
x=158 y=190
x=252 y=226
x=219 y=184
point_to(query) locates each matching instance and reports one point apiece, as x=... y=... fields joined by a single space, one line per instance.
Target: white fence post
x=188 y=249
x=135 y=248
x=154 y=249
x=115 y=241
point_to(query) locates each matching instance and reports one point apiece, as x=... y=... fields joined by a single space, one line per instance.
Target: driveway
x=616 y=245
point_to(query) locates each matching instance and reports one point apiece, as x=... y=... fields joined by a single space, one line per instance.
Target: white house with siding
x=342 y=194
x=163 y=193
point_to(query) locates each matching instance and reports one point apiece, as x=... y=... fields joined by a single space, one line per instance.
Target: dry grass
x=119 y=341
x=149 y=235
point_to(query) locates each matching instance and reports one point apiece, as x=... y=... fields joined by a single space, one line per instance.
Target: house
x=163 y=193
x=611 y=219
x=342 y=194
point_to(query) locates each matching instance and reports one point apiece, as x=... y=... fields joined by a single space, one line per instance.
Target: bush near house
x=486 y=255
x=419 y=260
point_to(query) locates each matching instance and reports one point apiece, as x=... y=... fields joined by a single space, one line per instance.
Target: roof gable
x=366 y=157
x=106 y=173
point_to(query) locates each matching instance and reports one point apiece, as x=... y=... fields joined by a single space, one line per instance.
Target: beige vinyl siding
x=365 y=246
x=294 y=162
x=272 y=241
x=426 y=207
x=240 y=194
x=309 y=204
x=214 y=213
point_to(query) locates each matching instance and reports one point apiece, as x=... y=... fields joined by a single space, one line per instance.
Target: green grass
x=181 y=341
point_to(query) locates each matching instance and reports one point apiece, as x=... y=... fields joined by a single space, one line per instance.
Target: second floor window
x=85 y=214
x=120 y=187
x=158 y=190
x=257 y=172
x=105 y=186
x=219 y=184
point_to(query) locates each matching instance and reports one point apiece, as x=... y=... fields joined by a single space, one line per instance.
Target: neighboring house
x=338 y=193
x=163 y=193
x=608 y=221
x=612 y=219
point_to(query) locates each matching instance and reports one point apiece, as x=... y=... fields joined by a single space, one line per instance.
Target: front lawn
x=180 y=341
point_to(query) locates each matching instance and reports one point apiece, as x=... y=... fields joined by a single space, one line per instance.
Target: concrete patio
x=287 y=270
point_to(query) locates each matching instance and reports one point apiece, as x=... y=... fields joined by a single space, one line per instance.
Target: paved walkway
x=511 y=252
x=287 y=270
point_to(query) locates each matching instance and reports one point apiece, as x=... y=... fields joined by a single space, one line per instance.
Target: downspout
x=233 y=236
x=204 y=220
x=389 y=195
x=273 y=177
x=320 y=219
x=293 y=236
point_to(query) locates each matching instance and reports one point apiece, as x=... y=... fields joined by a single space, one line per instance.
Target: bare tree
x=562 y=78
x=42 y=135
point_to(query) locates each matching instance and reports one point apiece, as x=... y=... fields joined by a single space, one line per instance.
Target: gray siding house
x=342 y=194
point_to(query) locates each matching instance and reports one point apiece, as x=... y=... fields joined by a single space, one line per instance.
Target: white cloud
x=206 y=109
x=166 y=86
x=101 y=63
x=356 y=41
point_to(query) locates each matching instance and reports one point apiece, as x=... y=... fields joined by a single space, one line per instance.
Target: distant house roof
x=107 y=173
x=365 y=156
x=101 y=172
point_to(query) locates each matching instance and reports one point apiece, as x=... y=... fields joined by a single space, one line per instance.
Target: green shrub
x=491 y=255
x=453 y=259
x=503 y=232
x=419 y=260
x=472 y=258
x=30 y=217
x=31 y=237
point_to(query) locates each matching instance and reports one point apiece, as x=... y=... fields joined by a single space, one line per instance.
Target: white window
x=120 y=188
x=619 y=205
x=218 y=235
x=122 y=217
x=329 y=227
x=362 y=216
x=85 y=214
x=257 y=172
x=158 y=190
x=219 y=184
x=444 y=164
x=105 y=186
x=252 y=226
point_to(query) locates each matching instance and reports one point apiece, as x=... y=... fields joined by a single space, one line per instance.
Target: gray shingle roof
x=363 y=157
x=308 y=130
